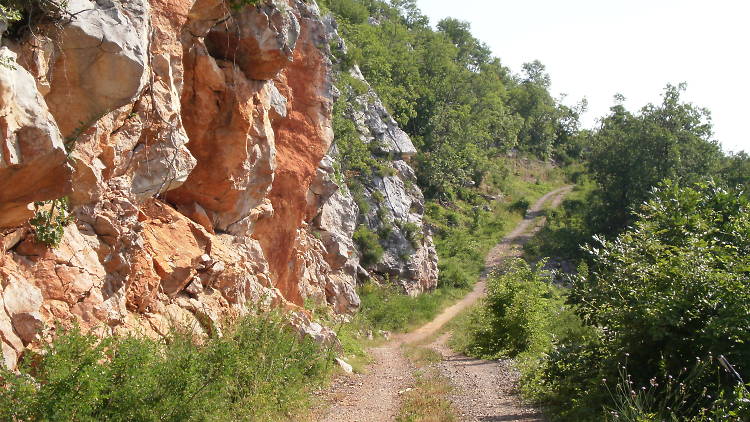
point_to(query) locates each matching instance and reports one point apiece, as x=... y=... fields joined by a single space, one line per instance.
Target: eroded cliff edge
x=194 y=141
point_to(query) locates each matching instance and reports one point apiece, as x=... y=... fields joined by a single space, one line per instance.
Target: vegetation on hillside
x=462 y=108
x=654 y=327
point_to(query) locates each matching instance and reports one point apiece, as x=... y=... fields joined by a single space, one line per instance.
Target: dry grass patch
x=422 y=356
x=429 y=400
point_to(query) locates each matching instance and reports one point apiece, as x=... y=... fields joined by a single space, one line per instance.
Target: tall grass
x=258 y=370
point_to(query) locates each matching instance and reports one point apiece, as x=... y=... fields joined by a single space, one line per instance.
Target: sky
x=598 y=48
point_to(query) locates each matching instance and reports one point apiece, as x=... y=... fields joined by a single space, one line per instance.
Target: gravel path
x=484 y=390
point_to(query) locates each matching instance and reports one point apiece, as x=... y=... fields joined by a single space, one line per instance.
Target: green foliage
x=672 y=398
x=630 y=154
x=445 y=89
x=258 y=370
x=735 y=171
x=50 y=220
x=517 y=315
x=670 y=289
x=354 y=154
x=520 y=206
x=22 y=14
x=369 y=246
x=10 y=12
x=413 y=232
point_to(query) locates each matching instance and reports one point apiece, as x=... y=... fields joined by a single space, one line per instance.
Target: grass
x=258 y=370
x=428 y=400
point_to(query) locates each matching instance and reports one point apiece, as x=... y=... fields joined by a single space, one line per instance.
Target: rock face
x=32 y=157
x=194 y=142
x=396 y=205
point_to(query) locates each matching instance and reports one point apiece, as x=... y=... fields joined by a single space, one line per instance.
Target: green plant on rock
x=22 y=14
x=50 y=220
x=239 y=4
x=413 y=232
x=368 y=244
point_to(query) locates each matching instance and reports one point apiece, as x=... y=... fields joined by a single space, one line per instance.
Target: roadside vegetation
x=259 y=369
x=654 y=323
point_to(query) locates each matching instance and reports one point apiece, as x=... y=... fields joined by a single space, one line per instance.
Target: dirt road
x=484 y=390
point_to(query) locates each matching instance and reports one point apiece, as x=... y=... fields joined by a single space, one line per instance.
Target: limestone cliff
x=194 y=142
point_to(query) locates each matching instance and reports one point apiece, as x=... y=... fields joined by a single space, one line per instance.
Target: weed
x=428 y=400
x=368 y=244
x=50 y=220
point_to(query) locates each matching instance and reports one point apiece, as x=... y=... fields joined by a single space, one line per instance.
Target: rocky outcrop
x=194 y=142
x=32 y=153
x=394 y=203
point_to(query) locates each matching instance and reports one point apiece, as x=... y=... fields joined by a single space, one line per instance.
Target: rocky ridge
x=194 y=142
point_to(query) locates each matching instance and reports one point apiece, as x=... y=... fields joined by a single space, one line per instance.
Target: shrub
x=358 y=193
x=516 y=316
x=452 y=274
x=22 y=14
x=670 y=289
x=413 y=232
x=368 y=244
x=50 y=220
x=520 y=206
x=259 y=370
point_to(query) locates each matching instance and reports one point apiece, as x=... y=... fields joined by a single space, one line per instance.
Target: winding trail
x=484 y=390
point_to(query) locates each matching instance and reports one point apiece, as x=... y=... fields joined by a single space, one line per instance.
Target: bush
x=259 y=370
x=520 y=206
x=516 y=316
x=452 y=274
x=670 y=289
x=413 y=232
x=368 y=244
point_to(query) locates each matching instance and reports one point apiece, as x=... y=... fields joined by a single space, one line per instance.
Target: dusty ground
x=484 y=390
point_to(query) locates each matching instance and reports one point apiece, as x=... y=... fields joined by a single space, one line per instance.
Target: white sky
x=597 y=48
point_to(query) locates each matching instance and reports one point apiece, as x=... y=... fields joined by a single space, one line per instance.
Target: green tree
x=631 y=153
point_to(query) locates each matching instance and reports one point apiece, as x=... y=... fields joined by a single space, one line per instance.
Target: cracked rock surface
x=194 y=143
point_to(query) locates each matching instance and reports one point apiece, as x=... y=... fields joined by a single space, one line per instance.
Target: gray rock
x=377 y=125
x=105 y=38
x=396 y=203
x=345 y=366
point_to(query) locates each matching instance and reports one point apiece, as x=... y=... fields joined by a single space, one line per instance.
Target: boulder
x=33 y=163
x=259 y=40
x=102 y=62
